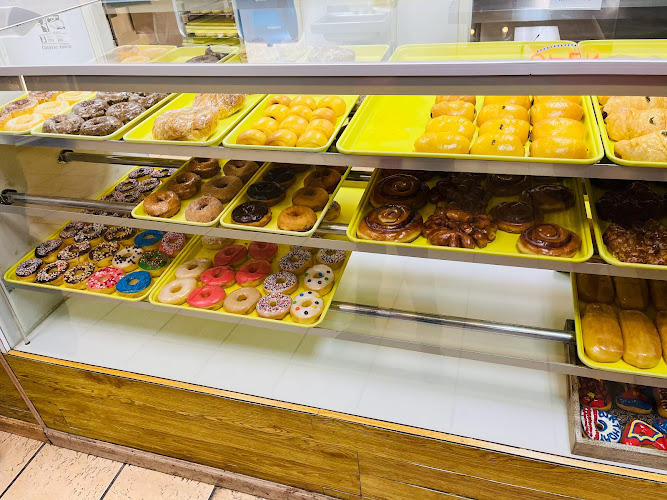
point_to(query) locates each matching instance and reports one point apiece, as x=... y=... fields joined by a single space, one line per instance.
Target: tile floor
x=32 y=470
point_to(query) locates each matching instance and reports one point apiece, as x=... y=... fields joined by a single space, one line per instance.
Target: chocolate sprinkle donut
x=148 y=185
x=140 y=172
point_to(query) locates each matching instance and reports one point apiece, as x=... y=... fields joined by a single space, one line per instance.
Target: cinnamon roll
x=515 y=216
x=396 y=223
x=507 y=185
x=549 y=197
x=400 y=189
x=549 y=239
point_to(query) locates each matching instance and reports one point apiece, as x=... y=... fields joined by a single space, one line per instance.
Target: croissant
x=226 y=104
x=650 y=147
x=635 y=123
x=187 y=124
x=623 y=103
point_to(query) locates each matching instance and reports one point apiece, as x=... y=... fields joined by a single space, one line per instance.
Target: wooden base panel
x=26 y=429
x=12 y=404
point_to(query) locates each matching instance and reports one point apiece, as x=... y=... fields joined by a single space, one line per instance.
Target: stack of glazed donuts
x=307 y=187
x=23 y=114
x=255 y=278
x=200 y=181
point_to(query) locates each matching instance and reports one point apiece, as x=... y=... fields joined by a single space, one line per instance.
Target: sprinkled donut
x=127 y=258
x=103 y=253
x=140 y=172
x=223 y=276
x=47 y=250
x=92 y=233
x=193 y=268
x=154 y=261
x=27 y=270
x=274 y=306
x=162 y=173
x=233 y=255
x=176 y=292
x=128 y=197
x=172 y=243
x=319 y=278
x=52 y=274
x=104 y=280
x=148 y=185
x=306 y=307
x=134 y=284
x=207 y=297
x=76 y=276
x=296 y=261
x=332 y=258
x=121 y=234
x=148 y=240
x=75 y=253
x=253 y=273
x=282 y=282
x=68 y=233
x=600 y=425
x=126 y=186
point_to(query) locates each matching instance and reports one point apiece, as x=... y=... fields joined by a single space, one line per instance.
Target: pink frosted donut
x=253 y=273
x=219 y=276
x=260 y=250
x=104 y=280
x=207 y=297
x=232 y=255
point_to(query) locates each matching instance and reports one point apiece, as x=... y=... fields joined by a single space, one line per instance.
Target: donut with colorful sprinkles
x=172 y=243
x=52 y=274
x=274 y=306
x=27 y=270
x=282 y=282
x=104 y=280
x=332 y=258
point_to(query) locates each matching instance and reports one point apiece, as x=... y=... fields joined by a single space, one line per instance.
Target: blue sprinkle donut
x=127 y=287
x=148 y=238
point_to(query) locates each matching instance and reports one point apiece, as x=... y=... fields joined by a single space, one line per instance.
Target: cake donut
x=261 y=250
x=207 y=297
x=148 y=240
x=204 y=167
x=52 y=273
x=282 y=282
x=113 y=97
x=203 y=210
x=274 y=306
x=241 y=168
x=333 y=212
x=27 y=270
x=306 y=307
x=326 y=178
x=223 y=276
x=162 y=204
x=233 y=255
x=400 y=189
x=121 y=234
x=253 y=273
x=223 y=188
x=549 y=239
x=76 y=253
x=102 y=254
x=594 y=393
x=315 y=198
x=319 y=278
x=193 y=268
x=93 y=234
x=296 y=218
x=638 y=433
x=176 y=292
x=48 y=250
x=172 y=243
x=296 y=261
x=515 y=216
x=332 y=258
x=154 y=262
x=104 y=280
x=242 y=300
x=127 y=259
x=633 y=398
x=660 y=396
x=77 y=276
x=68 y=232
x=600 y=425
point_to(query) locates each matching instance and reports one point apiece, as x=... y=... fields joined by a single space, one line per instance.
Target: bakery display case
x=334 y=265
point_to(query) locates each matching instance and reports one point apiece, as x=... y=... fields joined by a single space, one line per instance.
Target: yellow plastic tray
x=196 y=250
x=118 y=134
x=110 y=57
x=348 y=197
x=364 y=53
x=600 y=226
x=258 y=112
x=573 y=219
x=660 y=370
x=29 y=131
x=272 y=226
x=390 y=125
x=601 y=49
x=183 y=54
x=561 y=49
x=609 y=144
x=143 y=132
x=140 y=213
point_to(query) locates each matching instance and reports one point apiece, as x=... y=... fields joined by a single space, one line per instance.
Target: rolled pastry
x=226 y=104
x=641 y=342
x=603 y=341
x=649 y=147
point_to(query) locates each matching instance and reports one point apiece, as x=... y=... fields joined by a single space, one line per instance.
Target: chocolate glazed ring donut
x=268 y=192
x=63 y=124
x=252 y=213
x=515 y=216
x=100 y=125
x=549 y=197
x=90 y=109
x=284 y=176
x=549 y=239
x=396 y=223
x=507 y=185
x=402 y=189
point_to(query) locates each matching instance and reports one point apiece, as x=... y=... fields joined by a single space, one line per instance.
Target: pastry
x=400 y=189
x=215 y=242
x=454 y=108
x=549 y=197
x=185 y=185
x=223 y=188
x=296 y=261
x=642 y=347
x=515 y=216
x=146 y=99
x=176 y=292
x=205 y=168
x=622 y=104
x=498 y=145
x=154 y=262
x=661 y=324
x=276 y=111
x=558 y=127
x=253 y=273
x=458 y=229
x=634 y=398
x=203 y=210
x=274 y=306
x=519 y=128
x=467 y=98
x=319 y=278
x=242 y=169
x=252 y=213
x=296 y=218
x=461 y=191
x=149 y=239
x=519 y=100
x=127 y=258
x=658 y=294
x=300 y=110
x=334 y=103
x=312 y=139
x=27 y=270
x=187 y=124
x=442 y=142
x=266 y=192
x=594 y=393
x=595 y=288
x=225 y=104
x=77 y=276
x=321 y=125
x=632 y=293
x=306 y=307
x=48 y=109
x=642 y=243
x=493 y=111
x=396 y=223
x=279 y=99
x=207 y=297
x=315 y=198
x=638 y=433
x=555 y=109
x=457 y=125
x=558 y=147
x=635 y=123
x=650 y=147
x=600 y=425
x=52 y=273
x=326 y=178
x=93 y=233
x=507 y=185
x=252 y=137
x=90 y=109
x=660 y=396
x=637 y=202
x=549 y=239
x=48 y=250
x=603 y=340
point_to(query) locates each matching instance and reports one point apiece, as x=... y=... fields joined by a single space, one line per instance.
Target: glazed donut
x=282 y=138
x=75 y=253
x=63 y=124
x=48 y=109
x=600 y=425
x=549 y=197
x=396 y=223
x=172 y=243
x=90 y=109
x=333 y=102
x=134 y=284
x=127 y=259
x=253 y=273
x=295 y=123
x=215 y=242
x=223 y=188
x=69 y=231
x=323 y=126
x=147 y=99
x=303 y=100
x=162 y=173
x=259 y=250
x=400 y=189
x=185 y=185
x=240 y=168
x=282 y=175
x=92 y=233
x=193 y=268
x=252 y=137
x=296 y=261
x=176 y=292
x=315 y=198
x=148 y=185
x=276 y=111
x=266 y=192
x=76 y=276
x=140 y=173
x=24 y=122
x=306 y=307
x=203 y=210
x=163 y=204
x=207 y=297
x=252 y=213
x=149 y=239
x=296 y=218
x=515 y=216
x=44 y=95
x=265 y=125
x=126 y=186
x=333 y=212
x=279 y=99
x=223 y=276
x=274 y=306
x=319 y=278
x=204 y=167
x=326 y=178
x=507 y=185
x=20 y=107
x=300 y=110
x=113 y=97
x=549 y=239
x=104 y=280
x=242 y=300
x=102 y=254
x=154 y=262
x=100 y=126
x=27 y=270
x=72 y=96
x=233 y=255
x=52 y=273
x=48 y=250
x=332 y=258
x=282 y=282
x=312 y=139
x=324 y=114
x=125 y=111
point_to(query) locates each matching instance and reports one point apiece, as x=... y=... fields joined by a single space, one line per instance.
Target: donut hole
x=273 y=303
x=306 y=303
x=241 y=297
x=176 y=288
x=133 y=281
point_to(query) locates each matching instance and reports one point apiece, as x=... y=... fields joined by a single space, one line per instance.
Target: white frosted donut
x=242 y=300
x=274 y=306
x=193 y=268
x=319 y=279
x=332 y=258
x=177 y=291
x=306 y=307
x=127 y=258
x=296 y=261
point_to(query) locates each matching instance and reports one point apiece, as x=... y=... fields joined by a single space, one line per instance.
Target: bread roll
x=493 y=111
x=603 y=341
x=519 y=100
x=641 y=342
x=498 y=145
x=595 y=288
x=558 y=147
x=454 y=108
x=658 y=294
x=661 y=323
x=632 y=293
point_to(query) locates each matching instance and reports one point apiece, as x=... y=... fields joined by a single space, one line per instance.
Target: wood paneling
x=379 y=488
x=26 y=429
x=11 y=402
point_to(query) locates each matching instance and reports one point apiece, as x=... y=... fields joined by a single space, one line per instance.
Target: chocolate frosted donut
x=284 y=176
x=204 y=167
x=268 y=192
x=140 y=172
x=251 y=212
x=549 y=197
x=147 y=185
x=507 y=185
x=90 y=109
x=549 y=239
x=161 y=173
x=63 y=124
x=125 y=111
x=146 y=99
x=126 y=186
x=101 y=125
x=515 y=216
x=113 y=97
x=396 y=223
x=400 y=189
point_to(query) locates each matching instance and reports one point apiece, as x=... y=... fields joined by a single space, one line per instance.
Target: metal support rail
x=10 y=196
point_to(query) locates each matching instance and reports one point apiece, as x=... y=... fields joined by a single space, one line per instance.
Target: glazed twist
x=403 y=189
x=457 y=228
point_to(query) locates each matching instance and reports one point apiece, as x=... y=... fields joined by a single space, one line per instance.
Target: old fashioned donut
x=326 y=178
x=172 y=243
x=102 y=254
x=48 y=250
x=333 y=212
x=400 y=189
x=282 y=282
x=127 y=259
x=163 y=204
x=332 y=258
x=306 y=307
x=76 y=276
x=253 y=273
x=315 y=198
x=260 y=250
x=63 y=124
x=242 y=300
x=243 y=169
x=90 y=109
x=176 y=292
x=204 y=209
x=204 y=167
x=27 y=270
x=282 y=175
x=125 y=111
x=274 y=306
x=296 y=261
x=100 y=125
x=252 y=213
x=154 y=262
x=149 y=239
x=297 y=218
x=185 y=185
x=223 y=276
x=193 y=268
x=319 y=278
x=223 y=188
x=104 y=280
x=24 y=122
x=52 y=273
x=233 y=255
x=266 y=192
x=134 y=284
x=207 y=297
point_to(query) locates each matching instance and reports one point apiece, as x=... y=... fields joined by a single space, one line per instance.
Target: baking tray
x=390 y=125
x=660 y=370
x=196 y=250
x=182 y=54
x=110 y=56
x=30 y=130
x=601 y=49
x=258 y=112
x=140 y=213
x=109 y=137
x=143 y=132
x=560 y=49
x=573 y=219
x=272 y=226
x=609 y=144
